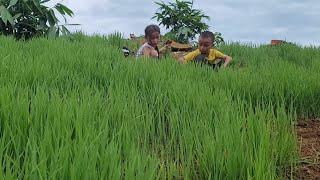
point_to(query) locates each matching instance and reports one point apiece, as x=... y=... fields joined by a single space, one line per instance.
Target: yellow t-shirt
x=213 y=55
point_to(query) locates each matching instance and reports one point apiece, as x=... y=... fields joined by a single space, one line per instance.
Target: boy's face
x=205 y=44
x=153 y=39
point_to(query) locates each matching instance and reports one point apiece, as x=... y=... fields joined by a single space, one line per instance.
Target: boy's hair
x=151 y=29
x=207 y=34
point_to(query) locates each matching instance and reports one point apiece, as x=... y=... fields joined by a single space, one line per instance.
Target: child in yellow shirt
x=206 y=53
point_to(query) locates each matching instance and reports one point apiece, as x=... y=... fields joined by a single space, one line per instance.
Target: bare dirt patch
x=308 y=133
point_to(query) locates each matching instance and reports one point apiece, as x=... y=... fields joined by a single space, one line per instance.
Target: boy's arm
x=227 y=60
x=164 y=48
x=178 y=57
x=189 y=57
x=181 y=60
x=147 y=52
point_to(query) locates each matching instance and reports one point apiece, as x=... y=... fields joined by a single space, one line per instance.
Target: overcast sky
x=256 y=21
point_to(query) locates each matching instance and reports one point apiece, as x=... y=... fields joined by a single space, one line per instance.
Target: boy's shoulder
x=214 y=53
x=214 y=50
x=196 y=51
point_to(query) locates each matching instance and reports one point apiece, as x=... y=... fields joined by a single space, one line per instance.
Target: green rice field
x=75 y=108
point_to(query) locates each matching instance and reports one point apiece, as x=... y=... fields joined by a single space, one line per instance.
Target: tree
x=25 y=19
x=218 y=39
x=184 y=21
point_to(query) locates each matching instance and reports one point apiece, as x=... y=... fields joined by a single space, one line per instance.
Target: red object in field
x=276 y=42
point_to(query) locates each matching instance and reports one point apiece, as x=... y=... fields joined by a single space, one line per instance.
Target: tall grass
x=76 y=109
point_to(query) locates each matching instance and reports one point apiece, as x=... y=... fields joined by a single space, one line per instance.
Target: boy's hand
x=166 y=47
x=227 y=60
x=181 y=60
x=154 y=53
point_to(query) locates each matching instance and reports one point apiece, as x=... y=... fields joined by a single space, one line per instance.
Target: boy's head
x=152 y=35
x=206 y=41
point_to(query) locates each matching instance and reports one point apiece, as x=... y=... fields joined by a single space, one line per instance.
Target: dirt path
x=308 y=132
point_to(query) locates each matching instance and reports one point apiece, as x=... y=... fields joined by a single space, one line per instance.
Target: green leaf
x=44 y=1
x=57 y=32
x=59 y=9
x=6 y=16
x=27 y=5
x=56 y=20
x=64 y=9
x=3 y=17
x=16 y=16
x=12 y=3
x=52 y=19
x=42 y=24
x=52 y=32
x=37 y=5
x=65 y=31
x=1 y=8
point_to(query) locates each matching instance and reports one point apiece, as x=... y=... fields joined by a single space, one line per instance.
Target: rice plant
x=77 y=109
